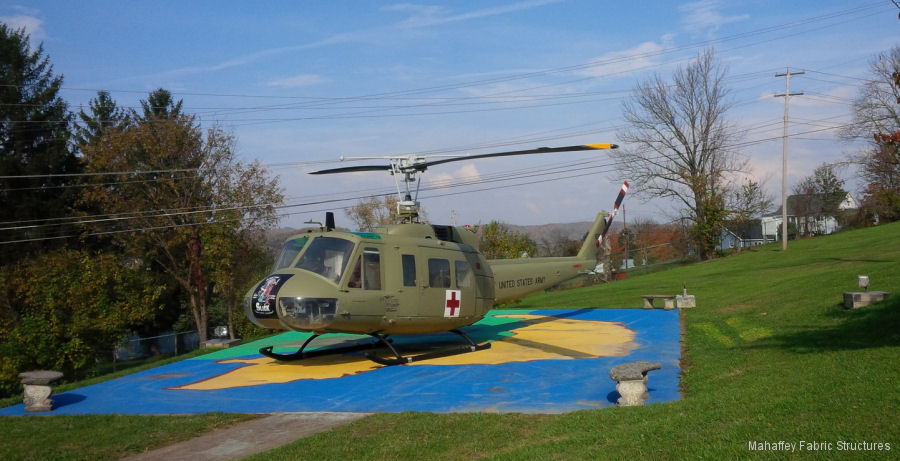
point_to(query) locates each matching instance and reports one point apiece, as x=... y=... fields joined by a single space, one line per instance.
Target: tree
x=65 y=309
x=34 y=144
x=831 y=187
x=746 y=204
x=881 y=170
x=816 y=198
x=159 y=105
x=876 y=117
x=876 y=110
x=104 y=114
x=678 y=145
x=198 y=194
x=498 y=241
x=557 y=243
x=372 y=212
x=244 y=205
x=748 y=201
x=804 y=205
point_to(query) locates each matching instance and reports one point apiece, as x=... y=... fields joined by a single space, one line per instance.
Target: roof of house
x=806 y=204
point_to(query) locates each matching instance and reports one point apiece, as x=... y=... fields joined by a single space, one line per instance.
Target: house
x=805 y=212
x=746 y=235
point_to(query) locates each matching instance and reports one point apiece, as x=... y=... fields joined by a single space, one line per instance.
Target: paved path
x=250 y=438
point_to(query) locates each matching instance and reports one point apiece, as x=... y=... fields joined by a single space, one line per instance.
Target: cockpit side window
x=326 y=256
x=289 y=251
x=367 y=271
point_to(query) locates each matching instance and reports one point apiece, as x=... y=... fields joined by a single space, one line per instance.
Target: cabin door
x=449 y=288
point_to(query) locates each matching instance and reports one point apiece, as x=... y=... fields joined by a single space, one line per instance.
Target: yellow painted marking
x=599 y=146
x=543 y=338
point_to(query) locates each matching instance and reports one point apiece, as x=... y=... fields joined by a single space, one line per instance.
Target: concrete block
x=685 y=301
x=857 y=299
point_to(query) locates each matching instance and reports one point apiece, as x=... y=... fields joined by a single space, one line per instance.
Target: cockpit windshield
x=289 y=251
x=327 y=256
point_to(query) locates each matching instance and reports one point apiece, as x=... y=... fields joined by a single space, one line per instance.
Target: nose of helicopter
x=274 y=303
x=307 y=314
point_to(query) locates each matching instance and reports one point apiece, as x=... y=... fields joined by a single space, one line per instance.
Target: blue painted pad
x=540 y=386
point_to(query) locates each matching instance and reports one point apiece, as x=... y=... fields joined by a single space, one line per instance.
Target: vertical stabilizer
x=591 y=244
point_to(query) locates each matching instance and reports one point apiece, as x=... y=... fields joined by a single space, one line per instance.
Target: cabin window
x=367 y=271
x=409 y=270
x=371 y=269
x=463 y=274
x=439 y=273
x=326 y=256
x=289 y=251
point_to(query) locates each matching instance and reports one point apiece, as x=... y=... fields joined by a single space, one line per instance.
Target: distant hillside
x=553 y=231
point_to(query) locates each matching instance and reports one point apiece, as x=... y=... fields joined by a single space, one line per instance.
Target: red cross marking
x=453 y=303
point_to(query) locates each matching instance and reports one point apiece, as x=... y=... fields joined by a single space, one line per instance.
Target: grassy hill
x=769 y=355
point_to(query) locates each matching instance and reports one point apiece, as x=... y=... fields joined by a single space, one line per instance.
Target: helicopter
x=402 y=279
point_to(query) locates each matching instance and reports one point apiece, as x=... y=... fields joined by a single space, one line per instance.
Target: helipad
x=543 y=361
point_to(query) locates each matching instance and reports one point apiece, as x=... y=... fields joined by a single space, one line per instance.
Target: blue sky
x=301 y=84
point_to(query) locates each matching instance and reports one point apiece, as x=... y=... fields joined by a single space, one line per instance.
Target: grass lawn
x=769 y=355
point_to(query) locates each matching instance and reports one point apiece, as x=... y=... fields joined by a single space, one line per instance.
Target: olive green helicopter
x=402 y=279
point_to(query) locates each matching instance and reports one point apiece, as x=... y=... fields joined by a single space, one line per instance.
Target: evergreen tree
x=35 y=154
x=159 y=105
x=104 y=114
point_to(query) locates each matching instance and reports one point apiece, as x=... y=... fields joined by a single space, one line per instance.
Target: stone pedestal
x=631 y=393
x=856 y=299
x=685 y=301
x=38 y=389
x=631 y=382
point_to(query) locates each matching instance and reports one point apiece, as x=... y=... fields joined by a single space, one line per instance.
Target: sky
x=302 y=84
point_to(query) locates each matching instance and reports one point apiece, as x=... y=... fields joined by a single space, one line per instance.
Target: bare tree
x=876 y=117
x=877 y=107
x=677 y=144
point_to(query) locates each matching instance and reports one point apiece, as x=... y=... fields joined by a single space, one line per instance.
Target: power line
x=500 y=177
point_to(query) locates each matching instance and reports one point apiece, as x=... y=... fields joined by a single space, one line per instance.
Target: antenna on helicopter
x=409 y=165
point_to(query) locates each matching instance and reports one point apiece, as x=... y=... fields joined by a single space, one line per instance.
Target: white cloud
x=704 y=18
x=33 y=26
x=297 y=81
x=641 y=57
x=427 y=15
x=467 y=173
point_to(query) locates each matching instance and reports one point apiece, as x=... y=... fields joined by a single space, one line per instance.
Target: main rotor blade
x=350 y=169
x=424 y=165
x=539 y=150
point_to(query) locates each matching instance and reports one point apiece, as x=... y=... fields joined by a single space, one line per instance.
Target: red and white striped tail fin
x=614 y=211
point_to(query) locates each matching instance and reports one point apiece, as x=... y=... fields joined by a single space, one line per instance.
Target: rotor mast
x=407 y=203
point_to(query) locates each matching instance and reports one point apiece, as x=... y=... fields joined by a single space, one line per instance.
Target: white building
x=802 y=211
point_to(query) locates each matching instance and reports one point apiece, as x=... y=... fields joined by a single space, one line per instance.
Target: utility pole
x=784 y=142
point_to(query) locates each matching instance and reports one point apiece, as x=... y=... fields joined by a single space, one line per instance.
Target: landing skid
x=300 y=354
x=398 y=358
x=401 y=359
